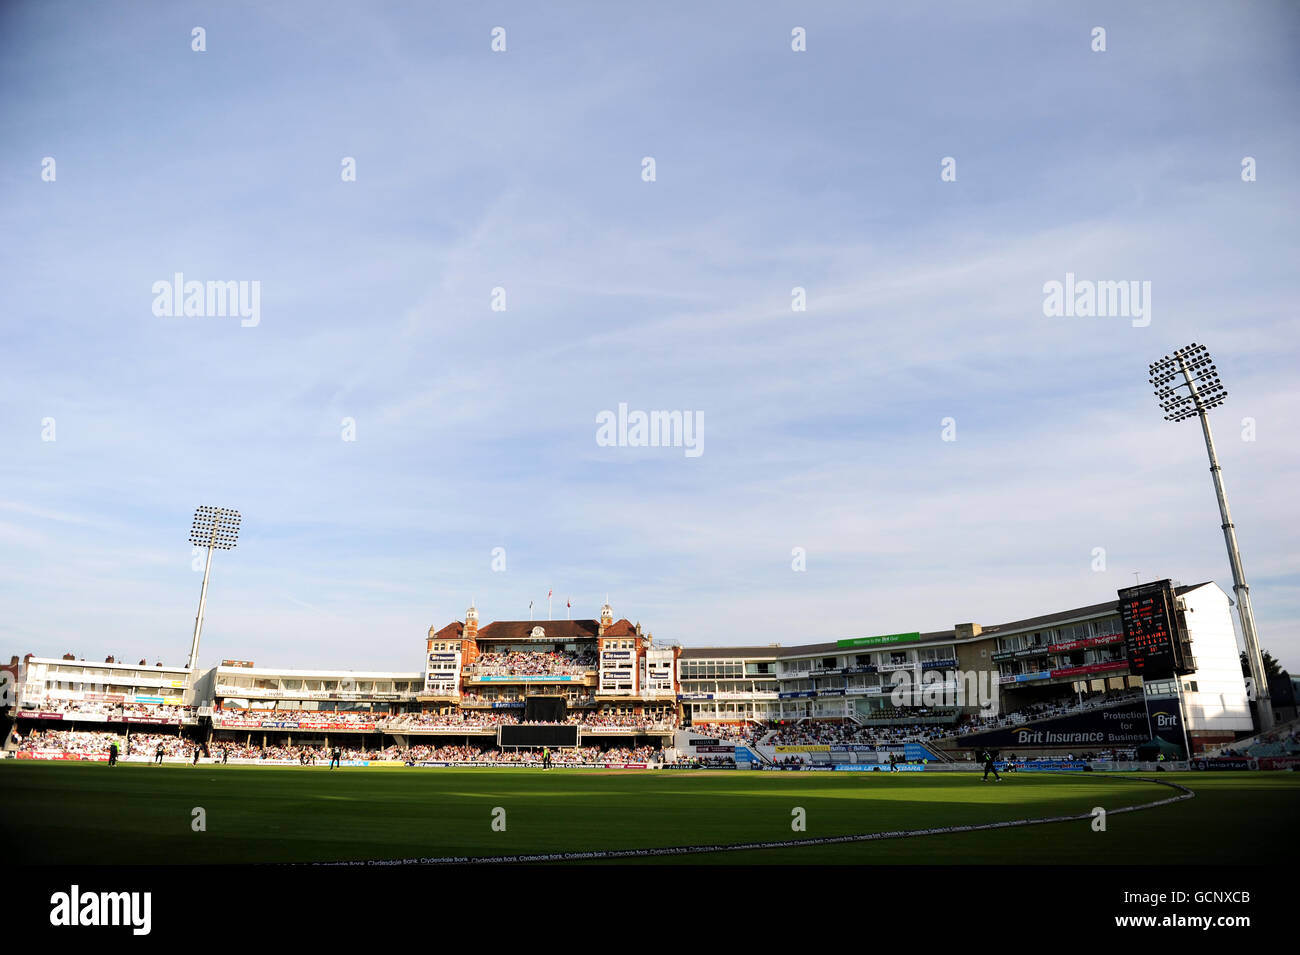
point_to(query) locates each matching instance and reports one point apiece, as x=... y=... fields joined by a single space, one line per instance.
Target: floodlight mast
x=1206 y=391
x=214 y=528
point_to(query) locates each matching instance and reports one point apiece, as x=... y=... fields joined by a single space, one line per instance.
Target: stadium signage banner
x=1141 y=766
x=238 y=724
x=1065 y=646
x=1102 y=641
x=1020 y=654
x=1278 y=762
x=1165 y=720
x=879 y=641
x=1091 y=668
x=878 y=768
x=1026 y=677
x=715 y=749
x=164 y=700
x=355 y=727
x=521 y=678
x=1224 y=762
x=533 y=764
x=49 y=754
x=1124 y=725
x=800 y=768
x=595 y=729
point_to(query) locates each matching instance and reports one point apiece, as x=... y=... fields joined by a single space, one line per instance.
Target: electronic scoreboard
x=1153 y=636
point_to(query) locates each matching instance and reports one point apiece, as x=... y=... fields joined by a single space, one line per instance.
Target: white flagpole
x=548 y=605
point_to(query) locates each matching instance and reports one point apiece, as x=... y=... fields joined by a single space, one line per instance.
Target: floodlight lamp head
x=216 y=527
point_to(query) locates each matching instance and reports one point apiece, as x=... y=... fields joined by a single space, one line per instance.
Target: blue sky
x=475 y=428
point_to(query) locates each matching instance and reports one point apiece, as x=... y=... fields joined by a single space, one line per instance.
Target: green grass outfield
x=76 y=813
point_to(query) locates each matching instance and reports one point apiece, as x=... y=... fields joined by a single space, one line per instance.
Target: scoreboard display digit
x=1151 y=637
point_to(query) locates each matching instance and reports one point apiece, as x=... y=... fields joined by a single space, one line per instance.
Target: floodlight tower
x=1205 y=391
x=216 y=528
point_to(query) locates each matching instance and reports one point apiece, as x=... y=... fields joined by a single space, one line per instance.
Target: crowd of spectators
x=1062 y=706
x=1277 y=743
x=481 y=718
x=157 y=711
x=908 y=713
x=749 y=734
x=1109 y=755
x=536 y=663
x=703 y=762
x=84 y=743
x=78 y=707
x=468 y=719
x=219 y=749
x=1112 y=755
x=464 y=719
x=74 y=742
x=109 y=710
x=581 y=699
x=146 y=744
x=357 y=717
x=569 y=756
x=617 y=720
x=436 y=754
x=306 y=755
x=822 y=732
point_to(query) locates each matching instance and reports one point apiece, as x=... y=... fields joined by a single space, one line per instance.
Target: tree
x=1271 y=667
